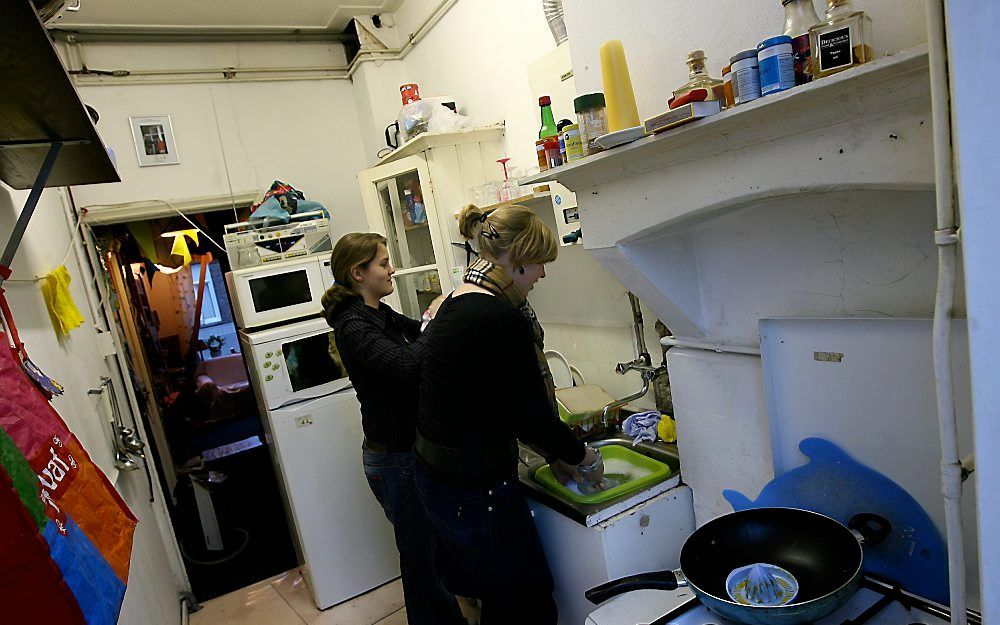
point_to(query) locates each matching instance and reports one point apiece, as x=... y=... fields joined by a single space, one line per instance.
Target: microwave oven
x=294 y=362
x=279 y=292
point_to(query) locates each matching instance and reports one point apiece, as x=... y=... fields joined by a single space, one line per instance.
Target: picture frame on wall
x=154 y=140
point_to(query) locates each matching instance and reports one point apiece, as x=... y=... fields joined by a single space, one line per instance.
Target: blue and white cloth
x=642 y=425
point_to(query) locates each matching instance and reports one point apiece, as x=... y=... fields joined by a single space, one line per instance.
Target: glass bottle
x=699 y=78
x=548 y=128
x=843 y=40
x=800 y=16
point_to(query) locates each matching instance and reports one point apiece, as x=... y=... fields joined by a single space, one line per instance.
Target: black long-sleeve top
x=383 y=356
x=481 y=386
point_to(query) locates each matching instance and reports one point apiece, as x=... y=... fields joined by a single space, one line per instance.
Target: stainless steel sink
x=531 y=462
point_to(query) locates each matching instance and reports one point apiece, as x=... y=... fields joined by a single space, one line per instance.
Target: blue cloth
x=642 y=425
x=493 y=548
x=390 y=476
x=305 y=206
x=272 y=212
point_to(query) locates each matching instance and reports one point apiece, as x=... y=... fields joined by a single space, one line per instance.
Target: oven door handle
x=301 y=402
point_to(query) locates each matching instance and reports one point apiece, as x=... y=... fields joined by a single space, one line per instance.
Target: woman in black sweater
x=382 y=352
x=484 y=385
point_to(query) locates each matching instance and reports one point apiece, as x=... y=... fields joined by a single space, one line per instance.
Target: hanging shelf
x=46 y=136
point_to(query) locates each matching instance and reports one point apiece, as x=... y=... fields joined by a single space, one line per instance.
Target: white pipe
x=946 y=238
x=670 y=341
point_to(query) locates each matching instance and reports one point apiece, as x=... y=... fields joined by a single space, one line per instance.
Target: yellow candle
x=621 y=110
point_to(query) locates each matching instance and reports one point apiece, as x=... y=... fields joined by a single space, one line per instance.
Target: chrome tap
x=641 y=363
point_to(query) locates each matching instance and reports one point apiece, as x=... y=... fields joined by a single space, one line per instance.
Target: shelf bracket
x=29 y=208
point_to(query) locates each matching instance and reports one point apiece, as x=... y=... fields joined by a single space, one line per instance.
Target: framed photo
x=154 y=140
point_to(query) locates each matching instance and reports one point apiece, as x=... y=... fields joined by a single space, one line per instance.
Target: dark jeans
x=494 y=549
x=390 y=476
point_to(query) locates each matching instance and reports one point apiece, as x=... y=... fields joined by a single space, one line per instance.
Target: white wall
x=152 y=594
x=303 y=132
x=658 y=35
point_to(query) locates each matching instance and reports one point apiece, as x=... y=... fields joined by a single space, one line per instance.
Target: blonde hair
x=355 y=249
x=512 y=228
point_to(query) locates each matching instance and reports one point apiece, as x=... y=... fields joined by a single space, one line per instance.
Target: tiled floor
x=285 y=600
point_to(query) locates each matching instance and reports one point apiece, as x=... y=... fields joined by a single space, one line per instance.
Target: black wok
x=824 y=556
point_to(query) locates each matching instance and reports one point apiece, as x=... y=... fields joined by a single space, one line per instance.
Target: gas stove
x=876 y=603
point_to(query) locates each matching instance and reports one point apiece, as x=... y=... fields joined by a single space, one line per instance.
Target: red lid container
x=410 y=92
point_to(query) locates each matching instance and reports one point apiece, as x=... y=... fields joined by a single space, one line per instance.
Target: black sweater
x=381 y=351
x=481 y=386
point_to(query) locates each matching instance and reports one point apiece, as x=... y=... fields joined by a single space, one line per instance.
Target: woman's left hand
x=564 y=472
x=435 y=304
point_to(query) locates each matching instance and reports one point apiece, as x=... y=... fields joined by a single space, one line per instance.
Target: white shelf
x=429 y=140
x=880 y=85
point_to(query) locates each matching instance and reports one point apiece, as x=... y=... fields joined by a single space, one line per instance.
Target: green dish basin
x=628 y=470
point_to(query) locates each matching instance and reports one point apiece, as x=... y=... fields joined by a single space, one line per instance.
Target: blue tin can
x=776 y=61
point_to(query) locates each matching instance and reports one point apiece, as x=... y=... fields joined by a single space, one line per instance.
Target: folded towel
x=642 y=425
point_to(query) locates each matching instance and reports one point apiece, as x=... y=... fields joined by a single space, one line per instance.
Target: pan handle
x=657 y=580
x=871 y=529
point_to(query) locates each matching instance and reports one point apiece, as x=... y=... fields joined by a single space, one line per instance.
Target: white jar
x=746 y=77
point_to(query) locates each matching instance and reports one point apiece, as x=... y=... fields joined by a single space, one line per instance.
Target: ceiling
x=218 y=15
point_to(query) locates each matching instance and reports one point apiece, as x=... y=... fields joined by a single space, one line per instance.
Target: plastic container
x=630 y=470
x=745 y=76
x=573 y=143
x=776 y=64
x=592 y=120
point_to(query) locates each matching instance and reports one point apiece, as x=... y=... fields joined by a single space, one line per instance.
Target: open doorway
x=187 y=364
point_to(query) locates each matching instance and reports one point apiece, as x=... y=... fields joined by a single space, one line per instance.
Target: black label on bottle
x=835 y=49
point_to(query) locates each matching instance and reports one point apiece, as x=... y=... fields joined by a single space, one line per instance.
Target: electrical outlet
x=301 y=422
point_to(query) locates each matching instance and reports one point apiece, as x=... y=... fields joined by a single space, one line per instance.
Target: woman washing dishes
x=382 y=354
x=484 y=386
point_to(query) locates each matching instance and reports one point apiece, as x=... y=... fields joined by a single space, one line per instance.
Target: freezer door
x=346 y=541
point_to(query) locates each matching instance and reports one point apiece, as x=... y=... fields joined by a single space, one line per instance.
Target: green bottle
x=548 y=128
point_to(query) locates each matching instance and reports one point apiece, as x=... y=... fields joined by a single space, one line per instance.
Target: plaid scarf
x=494 y=279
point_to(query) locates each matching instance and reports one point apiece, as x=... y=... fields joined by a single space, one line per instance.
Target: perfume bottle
x=800 y=16
x=699 y=78
x=843 y=40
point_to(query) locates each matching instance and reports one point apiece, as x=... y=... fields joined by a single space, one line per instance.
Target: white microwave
x=280 y=292
x=294 y=362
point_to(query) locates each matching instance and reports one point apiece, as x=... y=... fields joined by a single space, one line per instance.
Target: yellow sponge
x=667 y=429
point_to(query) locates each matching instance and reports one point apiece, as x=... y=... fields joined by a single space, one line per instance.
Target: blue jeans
x=390 y=476
x=494 y=550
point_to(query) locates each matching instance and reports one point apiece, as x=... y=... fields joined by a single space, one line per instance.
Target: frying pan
x=824 y=556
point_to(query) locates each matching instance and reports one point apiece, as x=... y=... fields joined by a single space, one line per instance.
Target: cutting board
x=834 y=484
x=580 y=402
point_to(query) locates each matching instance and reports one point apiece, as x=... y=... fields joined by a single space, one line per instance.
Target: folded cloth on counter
x=62 y=309
x=642 y=425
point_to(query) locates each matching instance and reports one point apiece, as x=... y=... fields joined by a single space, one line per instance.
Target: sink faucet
x=641 y=363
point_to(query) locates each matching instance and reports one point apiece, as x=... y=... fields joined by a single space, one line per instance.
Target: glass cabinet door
x=406 y=223
x=406 y=216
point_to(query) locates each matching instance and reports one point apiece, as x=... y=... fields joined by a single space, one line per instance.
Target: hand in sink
x=591 y=470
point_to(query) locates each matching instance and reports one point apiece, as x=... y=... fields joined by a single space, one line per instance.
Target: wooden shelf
x=429 y=140
x=534 y=202
x=41 y=107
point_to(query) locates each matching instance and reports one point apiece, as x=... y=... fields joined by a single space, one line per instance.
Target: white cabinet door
x=399 y=203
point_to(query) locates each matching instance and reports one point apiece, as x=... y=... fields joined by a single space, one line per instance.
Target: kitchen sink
x=586 y=509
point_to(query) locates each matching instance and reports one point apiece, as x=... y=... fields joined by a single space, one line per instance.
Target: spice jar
x=746 y=77
x=573 y=142
x=552 y=154
x=592 y=119
x=727 y=86
x=543 y=162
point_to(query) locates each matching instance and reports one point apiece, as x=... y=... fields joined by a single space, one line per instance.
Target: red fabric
x=32 y=589
x=70 y=482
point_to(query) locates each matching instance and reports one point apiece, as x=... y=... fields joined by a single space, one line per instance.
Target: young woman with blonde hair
x=382 y=352
x=484 y=386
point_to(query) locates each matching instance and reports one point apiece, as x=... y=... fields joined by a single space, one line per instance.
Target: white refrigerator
x=344 y=541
